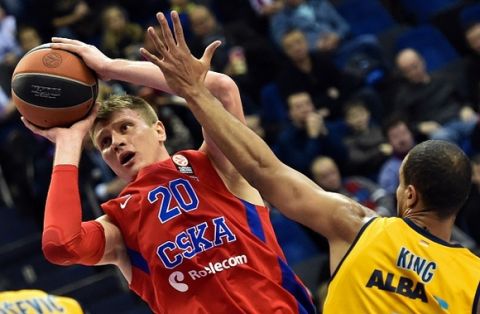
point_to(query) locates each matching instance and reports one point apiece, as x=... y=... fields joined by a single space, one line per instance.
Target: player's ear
x=412 y=196
x=160 y=129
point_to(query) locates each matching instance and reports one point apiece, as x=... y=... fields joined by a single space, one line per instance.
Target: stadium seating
x=359 y=13
x=470 y=14
x=430 y=43
x=424 y=10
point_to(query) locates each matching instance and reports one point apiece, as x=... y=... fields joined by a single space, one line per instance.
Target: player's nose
x=118 y=140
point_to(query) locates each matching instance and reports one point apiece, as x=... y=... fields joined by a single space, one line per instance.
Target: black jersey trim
x=427 y=234
x=357 y=237
x=476 y=300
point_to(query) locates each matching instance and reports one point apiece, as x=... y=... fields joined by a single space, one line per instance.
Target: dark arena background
x=340 y=91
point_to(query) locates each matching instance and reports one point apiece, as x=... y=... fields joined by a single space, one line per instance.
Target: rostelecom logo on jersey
x=177 y=278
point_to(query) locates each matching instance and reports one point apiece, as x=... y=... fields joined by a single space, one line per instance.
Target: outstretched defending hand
x=183 y=72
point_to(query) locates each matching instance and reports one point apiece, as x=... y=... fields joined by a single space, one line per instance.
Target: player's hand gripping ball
x=52 y=87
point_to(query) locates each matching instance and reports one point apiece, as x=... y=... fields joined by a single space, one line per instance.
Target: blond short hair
x=116 y=103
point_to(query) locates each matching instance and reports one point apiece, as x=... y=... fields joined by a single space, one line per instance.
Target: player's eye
x=124 y=127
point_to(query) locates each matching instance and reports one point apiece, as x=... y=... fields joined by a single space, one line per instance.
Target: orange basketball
x=52 y=87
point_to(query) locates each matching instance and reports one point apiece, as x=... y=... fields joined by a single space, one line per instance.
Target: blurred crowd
x=340 y=103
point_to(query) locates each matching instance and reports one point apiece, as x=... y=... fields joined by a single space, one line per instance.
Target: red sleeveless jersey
x=196 y=248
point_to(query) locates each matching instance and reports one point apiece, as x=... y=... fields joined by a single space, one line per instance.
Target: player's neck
x=428 y=220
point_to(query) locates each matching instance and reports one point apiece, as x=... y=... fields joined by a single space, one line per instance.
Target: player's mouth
x=126 y=159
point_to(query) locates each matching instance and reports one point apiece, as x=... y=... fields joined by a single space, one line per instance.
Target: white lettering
x=217 y=267
x=422 y=267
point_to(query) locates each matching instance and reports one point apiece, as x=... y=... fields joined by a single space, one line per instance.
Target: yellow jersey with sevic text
x=36 y=302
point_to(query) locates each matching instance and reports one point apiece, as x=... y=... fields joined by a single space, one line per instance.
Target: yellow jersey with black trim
x=396 y=267
x=37 y=302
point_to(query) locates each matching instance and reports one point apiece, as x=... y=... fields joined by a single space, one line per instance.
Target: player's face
x=295 y=46
x=326 y=174
x=400 y=138
x=413 y=68
x=473 y=38
x=358 y=118
x=300 y=106
x=476 y=173
x=128 y=143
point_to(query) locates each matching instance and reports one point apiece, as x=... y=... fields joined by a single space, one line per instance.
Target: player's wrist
x=67 y=151
x=112 y=69
x=195 y=93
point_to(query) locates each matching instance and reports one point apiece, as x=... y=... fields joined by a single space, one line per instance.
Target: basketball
x=53 y=88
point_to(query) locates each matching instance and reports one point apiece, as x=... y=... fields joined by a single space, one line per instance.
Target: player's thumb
x=210 y=50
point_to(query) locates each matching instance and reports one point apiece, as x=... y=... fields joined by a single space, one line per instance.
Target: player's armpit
x=85 y=248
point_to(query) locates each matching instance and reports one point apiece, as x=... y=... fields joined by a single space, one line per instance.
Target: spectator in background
x=324 y=28
x=321 y=23
x=469 y=216
x=24 y=157
x=28 y=38
x=184 y=8
x=266 y=7
x=475 y=138
x=7 y=108
x=121 y=38
x=326 y=174
x=181 y=6
x=307 y=135
x=253 y=12
x=401 y=140
x=72 y=18
x=432 y=103
x=244 y=55
x=9 y=48
x=472 y=68
x=314 y=72
x=366 y=145
x=184 y=131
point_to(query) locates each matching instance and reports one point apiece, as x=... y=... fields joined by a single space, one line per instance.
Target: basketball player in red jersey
x=403 y=264
x=189 y=234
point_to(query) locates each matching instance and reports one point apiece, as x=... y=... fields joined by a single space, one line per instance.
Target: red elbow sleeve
x=86 y=248
x=66 y=240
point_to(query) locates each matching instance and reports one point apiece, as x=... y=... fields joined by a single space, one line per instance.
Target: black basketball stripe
x=53 y=75
x=51 y=91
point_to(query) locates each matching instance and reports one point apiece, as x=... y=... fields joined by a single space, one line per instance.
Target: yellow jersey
x=395 y=266
x=36 y=302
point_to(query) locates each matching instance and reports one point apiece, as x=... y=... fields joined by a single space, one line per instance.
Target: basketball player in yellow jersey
x=379 y=265
x=36 y=302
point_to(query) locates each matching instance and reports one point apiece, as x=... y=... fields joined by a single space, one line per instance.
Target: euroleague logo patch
x=183 y=166
x=52 y=60
x=180 y=160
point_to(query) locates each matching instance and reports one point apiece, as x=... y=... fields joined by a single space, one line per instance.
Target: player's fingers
x=178 y=29
x=93 y=113
x=30 y=126
x=150 y=57
x=67 y=47
x=159 y=46
x=210 y=50
x=167 y=34
x=66 y=41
